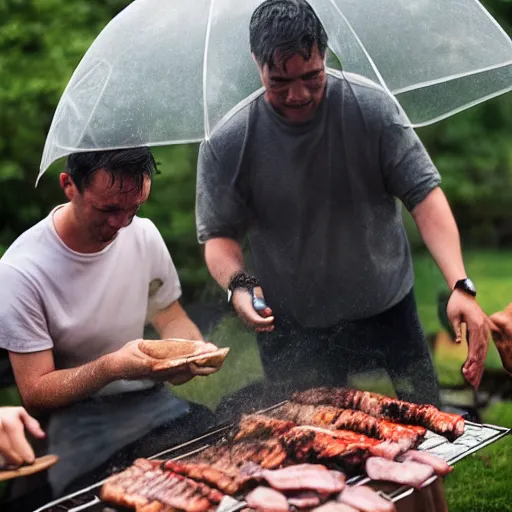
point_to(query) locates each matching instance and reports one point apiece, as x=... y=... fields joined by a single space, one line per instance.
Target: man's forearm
x=182 y=328
x=439 y=231
x=64 y=387
x=224 y=258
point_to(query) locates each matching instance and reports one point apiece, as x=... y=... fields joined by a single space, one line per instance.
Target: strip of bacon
x=365 y=499
x=404 y=473
x=303 y=477
x=265 y=499
x=439 y=465
x=334 y=506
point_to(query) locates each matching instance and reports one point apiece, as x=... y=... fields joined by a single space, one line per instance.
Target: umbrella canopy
x=168 y=71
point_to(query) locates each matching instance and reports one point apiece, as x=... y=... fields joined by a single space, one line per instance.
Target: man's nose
x=119 y=220
x=297 y=93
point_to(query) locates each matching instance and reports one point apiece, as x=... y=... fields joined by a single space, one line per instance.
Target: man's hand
x=129 y=362
x=258 y=321
x=501 y=327
x=14 y=447
x=464 y=308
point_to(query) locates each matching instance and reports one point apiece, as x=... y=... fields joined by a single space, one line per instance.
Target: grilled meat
x=144 y=486
x=408 y=436
x=268 y=453
x=404 y=473
x=304 y=499
x=306 y=445
x=449 y=425
x=225 y=481
x=334 y=506
x=386 y=449
x=365 y=499
x=259 y=426
x=439 y=465
x=265 y=499
x=303 y=477
x=277 y=429
x=302 y=414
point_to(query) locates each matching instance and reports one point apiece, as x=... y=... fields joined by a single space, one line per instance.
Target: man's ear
x=68 y=185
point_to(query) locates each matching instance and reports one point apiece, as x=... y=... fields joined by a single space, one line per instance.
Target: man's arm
x=438 y=229
x=173 y=322
x=42 y=387
x=224 y=258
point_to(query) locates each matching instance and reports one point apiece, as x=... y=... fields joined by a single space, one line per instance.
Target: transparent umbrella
x=168 y=71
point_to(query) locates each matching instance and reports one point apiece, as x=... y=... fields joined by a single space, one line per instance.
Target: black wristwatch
x=247 y=282
x=466 y=285
x=241 y=280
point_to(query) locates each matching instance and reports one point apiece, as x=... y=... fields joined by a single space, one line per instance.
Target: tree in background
x=42 y=42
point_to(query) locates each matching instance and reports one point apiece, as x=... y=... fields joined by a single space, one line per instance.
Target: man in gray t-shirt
x=312 y=170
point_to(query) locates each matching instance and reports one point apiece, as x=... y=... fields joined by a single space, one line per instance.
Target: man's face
x=103 y=208
x=295 y=88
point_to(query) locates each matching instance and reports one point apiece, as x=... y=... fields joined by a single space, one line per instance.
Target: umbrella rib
x=455 y=76
x=152 y=144
x=461 y=108
x=205 y=70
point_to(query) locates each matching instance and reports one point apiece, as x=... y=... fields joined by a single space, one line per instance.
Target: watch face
x=470 y=285
x=467 y=286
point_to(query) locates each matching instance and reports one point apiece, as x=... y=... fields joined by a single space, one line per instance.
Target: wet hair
x=290 y=26
x=132 y=163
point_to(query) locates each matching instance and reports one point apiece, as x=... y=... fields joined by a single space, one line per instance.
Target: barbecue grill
x=476 y=436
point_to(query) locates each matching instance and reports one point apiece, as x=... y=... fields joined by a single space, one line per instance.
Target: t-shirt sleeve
x=164 y=285
x=23 y=324
x=221 y=210
x=408 y=170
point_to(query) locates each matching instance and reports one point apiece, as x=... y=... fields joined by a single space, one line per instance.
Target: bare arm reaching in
x=439 y=231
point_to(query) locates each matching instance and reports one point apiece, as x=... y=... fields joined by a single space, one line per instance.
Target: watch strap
x=242 y=280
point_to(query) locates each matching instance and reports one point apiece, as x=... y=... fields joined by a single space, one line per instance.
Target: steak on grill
x=144 y=483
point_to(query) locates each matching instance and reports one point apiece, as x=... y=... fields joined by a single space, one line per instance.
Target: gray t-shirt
x=318 y=200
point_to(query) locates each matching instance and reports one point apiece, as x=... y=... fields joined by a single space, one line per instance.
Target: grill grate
x=476 y=436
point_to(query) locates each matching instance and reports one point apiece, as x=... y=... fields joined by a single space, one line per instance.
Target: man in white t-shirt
x=76 y=291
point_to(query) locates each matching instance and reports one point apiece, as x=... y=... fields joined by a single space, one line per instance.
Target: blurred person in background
x=502 y=335
x=77 y=290
x=311 y=171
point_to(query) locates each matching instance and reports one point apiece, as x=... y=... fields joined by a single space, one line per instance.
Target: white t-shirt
x=82 y=306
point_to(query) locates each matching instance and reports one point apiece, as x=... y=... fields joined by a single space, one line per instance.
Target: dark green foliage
x=42 y=41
